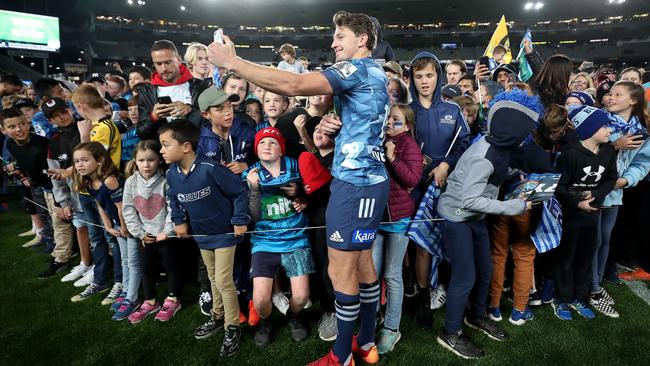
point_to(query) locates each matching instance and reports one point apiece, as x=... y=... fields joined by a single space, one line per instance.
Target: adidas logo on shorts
x=336 y=237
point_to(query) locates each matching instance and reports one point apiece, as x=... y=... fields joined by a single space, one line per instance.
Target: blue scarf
x=619 y=125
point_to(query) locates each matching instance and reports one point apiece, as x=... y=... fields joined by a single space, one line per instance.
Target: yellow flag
x=500 y=37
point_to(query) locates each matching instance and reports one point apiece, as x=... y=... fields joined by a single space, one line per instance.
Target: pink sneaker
x=169 y=309
x=143 y=311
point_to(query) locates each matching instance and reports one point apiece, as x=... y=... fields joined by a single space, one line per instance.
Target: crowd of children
x=108 y=172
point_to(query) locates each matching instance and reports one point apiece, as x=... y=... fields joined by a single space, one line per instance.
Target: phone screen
x=165 y=100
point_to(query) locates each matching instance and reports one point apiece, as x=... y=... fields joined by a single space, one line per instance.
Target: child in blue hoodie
x=279 y=240
x=443 y=136
x=209 y=201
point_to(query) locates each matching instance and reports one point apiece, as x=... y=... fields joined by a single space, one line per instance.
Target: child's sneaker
x=297 y=328
x=116 y=290
x=262 y=335
x=143 y=311
x=281 y=302
x=327 y=328
x=52 y=269
x=387 y=340
x=582 y=309
x=548 y=292
x=438 y=297
x=460 y=345
x=29 y=232
x=169 y=309
x=35 y=241
x=561 y=310
x=494 y=313
x=253 y=316
x=91 y=290
x=608 y=298
x=118 y=302
x=124 y=311
x=535 y=298
x=370 y=356
x=599 y=302
x=86 y=279
x=205 y=303
x=487 y=326
x=76 y=272
x=231 y=341
x=520 y=317
x=209 y=328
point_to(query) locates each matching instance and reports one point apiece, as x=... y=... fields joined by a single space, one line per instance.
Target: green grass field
x=40 y=326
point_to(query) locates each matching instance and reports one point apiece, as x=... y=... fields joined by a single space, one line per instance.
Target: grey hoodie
x=473 y=186
x=144 y=205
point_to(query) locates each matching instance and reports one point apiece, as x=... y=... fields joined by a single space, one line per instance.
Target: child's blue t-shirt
x=277 y=212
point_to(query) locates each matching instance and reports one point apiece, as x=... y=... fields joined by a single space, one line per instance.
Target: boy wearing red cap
x=278 y=240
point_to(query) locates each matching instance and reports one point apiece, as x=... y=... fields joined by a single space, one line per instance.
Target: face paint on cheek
x=398 y=124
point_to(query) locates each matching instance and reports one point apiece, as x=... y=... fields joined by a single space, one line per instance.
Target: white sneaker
x=308 y=304
x=116 y=290
x=281 y=302
x=76 y=272
x=35 y=240
x=438 y=297
x=86 y=279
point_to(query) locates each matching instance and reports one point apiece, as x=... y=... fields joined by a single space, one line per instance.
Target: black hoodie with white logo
x=583 y=171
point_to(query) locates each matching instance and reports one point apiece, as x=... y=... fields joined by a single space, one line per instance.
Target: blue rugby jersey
x=361 y=100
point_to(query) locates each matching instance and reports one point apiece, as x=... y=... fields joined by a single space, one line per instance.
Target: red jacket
x=405 y=172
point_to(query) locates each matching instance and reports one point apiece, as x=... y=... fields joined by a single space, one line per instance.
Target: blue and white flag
x=428 y=233
x=525 y=72
x=548 y=234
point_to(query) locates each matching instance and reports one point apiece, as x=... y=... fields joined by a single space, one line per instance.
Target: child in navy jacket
x=207 y=200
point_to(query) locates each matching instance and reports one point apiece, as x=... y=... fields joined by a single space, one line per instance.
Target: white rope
x=247 y=232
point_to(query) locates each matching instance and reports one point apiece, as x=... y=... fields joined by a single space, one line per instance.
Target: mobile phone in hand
x=218 y=36
x=165 y=100
x=484 y=60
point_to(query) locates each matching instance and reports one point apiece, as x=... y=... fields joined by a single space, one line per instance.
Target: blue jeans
x=606 y=223
x=467 y=245
x=388 y=255
x=99 y=241
x=130 y=263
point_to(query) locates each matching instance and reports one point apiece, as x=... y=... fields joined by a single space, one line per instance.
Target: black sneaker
x=459 y=344
x=52 y=269
x=487 y=326
x=423 y=315
x=209 y=328
x=231 y=341
x=535 y=299
x=410 y=288
x=205 y=303
x=298 y=329
x=262 y=335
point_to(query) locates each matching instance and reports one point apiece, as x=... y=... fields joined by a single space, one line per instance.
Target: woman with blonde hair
x=581 y=82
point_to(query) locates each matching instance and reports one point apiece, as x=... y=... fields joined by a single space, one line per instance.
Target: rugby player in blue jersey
x=360 y=186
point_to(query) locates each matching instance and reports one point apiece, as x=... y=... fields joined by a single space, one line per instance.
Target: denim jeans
x=388 y=252
x=130 y=261
x=99 y=241
x=605 y=226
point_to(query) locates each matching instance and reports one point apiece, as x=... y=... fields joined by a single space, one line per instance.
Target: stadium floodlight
x=130 y=2
x=533 y=5
x=183 y=8
x=617 y=2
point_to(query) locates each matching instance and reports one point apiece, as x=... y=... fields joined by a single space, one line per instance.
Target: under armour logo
x=589 y=173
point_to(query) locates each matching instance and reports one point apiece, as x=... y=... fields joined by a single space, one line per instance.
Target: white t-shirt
x=296 y=67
